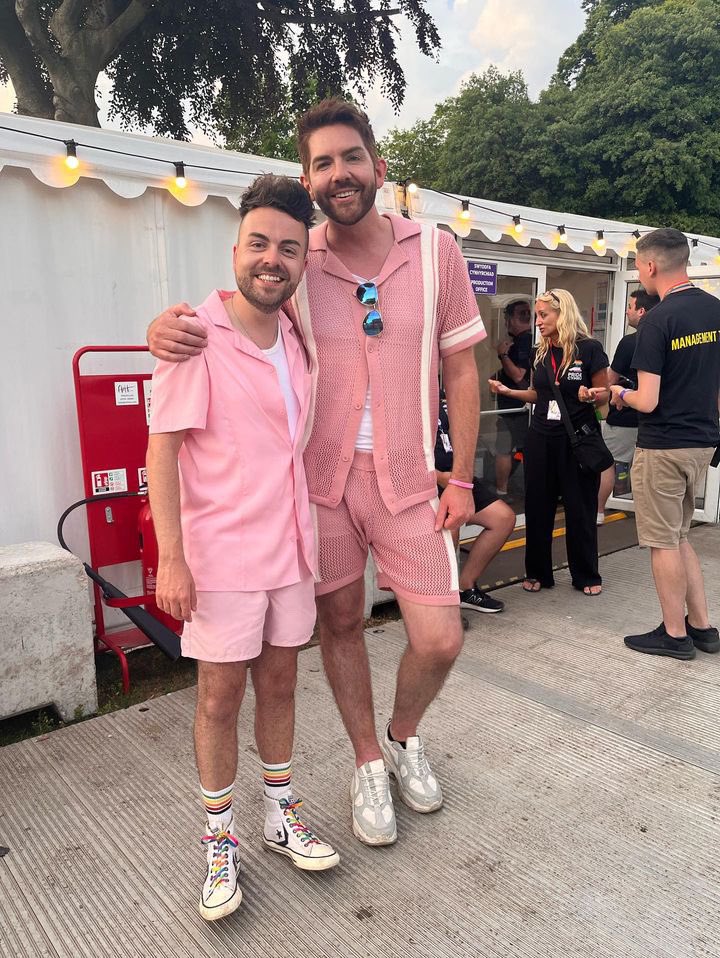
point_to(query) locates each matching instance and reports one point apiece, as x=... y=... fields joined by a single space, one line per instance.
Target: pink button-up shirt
x=429 y=311
x=245 y=512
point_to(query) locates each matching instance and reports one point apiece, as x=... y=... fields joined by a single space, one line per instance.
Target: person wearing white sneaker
x=236 y=557
x=384 y=303
x=406 y=762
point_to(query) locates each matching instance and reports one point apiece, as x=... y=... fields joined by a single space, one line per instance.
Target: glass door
x=505 y=293
x=707 y=503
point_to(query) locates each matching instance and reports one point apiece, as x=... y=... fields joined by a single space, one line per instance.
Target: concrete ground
x=582 y=813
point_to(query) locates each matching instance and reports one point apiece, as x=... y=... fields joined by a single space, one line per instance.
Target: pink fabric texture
x=232 y=626
x=244 y=501
x=412 y=559
x=429 y=311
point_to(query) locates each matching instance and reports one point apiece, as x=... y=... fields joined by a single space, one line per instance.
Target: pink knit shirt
x=429 y=311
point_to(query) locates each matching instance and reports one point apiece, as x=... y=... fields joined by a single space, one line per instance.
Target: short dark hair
x=668 y=246
x=326 y=113
x=511 y=307
x=643 y=299
x=280 y=193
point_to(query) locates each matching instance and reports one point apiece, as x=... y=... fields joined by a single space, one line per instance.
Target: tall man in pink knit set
x=383 y=301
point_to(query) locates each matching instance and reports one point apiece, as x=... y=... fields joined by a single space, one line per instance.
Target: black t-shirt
x=519 y=353
x=622 y=365
x=443 y=447
x=679 y=340
x=589 y=358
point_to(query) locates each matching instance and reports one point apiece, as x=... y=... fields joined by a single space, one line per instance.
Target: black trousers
x=551 y=471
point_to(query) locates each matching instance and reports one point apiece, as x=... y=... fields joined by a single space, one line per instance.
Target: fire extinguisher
x=149 y=557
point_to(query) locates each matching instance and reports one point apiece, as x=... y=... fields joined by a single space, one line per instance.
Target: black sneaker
x=707 y=640
x=480 y=601
x=658 y=642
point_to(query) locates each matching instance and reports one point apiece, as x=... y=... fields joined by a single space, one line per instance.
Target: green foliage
x=629 y=128
x=417 y=152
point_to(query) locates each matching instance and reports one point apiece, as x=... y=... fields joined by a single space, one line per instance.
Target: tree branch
x=33 y=96
x=121 y=27
x=28 y=13
x=276 y=15
x=67 y=16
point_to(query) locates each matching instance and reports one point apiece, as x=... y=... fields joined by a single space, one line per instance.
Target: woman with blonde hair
x=569 y=356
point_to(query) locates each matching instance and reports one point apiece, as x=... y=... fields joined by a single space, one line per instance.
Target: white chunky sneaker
x=287 y=834
x=373 y=815
x=416 y=783
x=221 y=893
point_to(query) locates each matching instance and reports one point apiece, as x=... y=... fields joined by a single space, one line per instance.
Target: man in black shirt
x=514 y=355
x=620 y=427
x=677 y=358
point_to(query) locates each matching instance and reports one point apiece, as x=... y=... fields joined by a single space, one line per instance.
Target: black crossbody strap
x=564 y=414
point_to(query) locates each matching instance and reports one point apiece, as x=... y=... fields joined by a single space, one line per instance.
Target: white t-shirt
x=364 y=438
x=278 y=357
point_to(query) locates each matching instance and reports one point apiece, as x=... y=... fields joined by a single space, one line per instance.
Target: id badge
x=554 y=411
x=445 y=439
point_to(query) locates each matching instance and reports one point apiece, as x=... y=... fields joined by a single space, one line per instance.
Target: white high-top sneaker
x=221 y=893
x=287 y=834
x=417 y=785
x=373 y=815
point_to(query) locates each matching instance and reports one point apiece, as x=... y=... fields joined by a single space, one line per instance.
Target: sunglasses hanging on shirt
x=368 y=295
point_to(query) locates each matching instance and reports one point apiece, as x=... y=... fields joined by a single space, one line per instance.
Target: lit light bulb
x=562 y=234
x=180 y=180
x=71 y=160
x=600 y=243
x=517 y=225
x=464 y=213
x=412 y=187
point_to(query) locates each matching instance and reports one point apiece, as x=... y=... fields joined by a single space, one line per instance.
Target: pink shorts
x=413 y=560
x=232 y=626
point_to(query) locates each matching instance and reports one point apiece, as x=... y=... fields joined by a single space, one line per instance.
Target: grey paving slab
x=582 y=813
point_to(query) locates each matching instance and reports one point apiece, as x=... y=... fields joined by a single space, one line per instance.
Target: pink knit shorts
x=232 y=626
x=412 y=559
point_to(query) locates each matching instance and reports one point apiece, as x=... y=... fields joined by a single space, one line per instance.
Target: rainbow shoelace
x=220 y=862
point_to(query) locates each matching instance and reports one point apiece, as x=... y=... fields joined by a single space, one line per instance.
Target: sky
x=529 y=35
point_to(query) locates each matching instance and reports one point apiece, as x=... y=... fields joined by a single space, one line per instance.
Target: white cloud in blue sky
x=529 y=35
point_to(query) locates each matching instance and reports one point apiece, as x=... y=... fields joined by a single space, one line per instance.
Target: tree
x=417 y=152
x=170 y=61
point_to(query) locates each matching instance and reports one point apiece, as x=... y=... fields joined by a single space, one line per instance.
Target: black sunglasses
x=367 y=293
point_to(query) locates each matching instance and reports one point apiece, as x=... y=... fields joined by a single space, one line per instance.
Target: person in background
x=620 y=427
x=495 y=516
x=514 y=355
x=677 y=358
x=579 y=366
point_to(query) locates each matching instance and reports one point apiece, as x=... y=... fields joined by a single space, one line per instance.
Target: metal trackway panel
x=582 y=813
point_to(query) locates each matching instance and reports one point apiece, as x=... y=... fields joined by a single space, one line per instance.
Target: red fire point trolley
x=113 y=416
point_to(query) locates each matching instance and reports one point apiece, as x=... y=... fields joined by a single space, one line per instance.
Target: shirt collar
x=214 y=309
x=402 y=229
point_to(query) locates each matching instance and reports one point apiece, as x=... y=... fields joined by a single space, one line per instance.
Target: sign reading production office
x=483 y=277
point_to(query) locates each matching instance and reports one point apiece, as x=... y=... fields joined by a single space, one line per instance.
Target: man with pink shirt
x=383 y=302
x=234 y=528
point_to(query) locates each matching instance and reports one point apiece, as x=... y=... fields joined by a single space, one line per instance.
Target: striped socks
x=278 y=780
x=218 y=806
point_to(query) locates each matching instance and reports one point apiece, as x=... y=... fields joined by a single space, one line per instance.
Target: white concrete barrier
x=46 y=639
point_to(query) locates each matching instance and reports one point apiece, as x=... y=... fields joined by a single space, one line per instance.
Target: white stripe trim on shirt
x=302 y=311
x=461 y=333
x=429 y=242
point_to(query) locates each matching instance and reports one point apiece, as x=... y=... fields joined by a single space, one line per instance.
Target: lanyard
x=554 y=366
x=680 y=288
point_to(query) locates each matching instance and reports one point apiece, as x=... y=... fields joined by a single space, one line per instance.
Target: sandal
x=587 y=588
x=534 y=584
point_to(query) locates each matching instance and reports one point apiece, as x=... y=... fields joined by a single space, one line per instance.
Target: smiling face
x=269 y=257
x=342 y=176
x=546 y=319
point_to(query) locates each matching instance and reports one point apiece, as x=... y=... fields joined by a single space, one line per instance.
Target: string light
x=408 y=186
x=71 y=160
x=180 y=179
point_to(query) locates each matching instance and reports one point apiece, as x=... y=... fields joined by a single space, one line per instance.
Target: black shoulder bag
x=587 y=443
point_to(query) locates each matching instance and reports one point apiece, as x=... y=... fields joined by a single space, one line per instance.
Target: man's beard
x=348 y=217
x=271 y=302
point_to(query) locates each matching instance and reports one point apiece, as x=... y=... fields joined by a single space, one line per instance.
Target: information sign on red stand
x=113 y=416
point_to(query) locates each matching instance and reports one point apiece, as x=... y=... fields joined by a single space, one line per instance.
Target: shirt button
x=346 y=458
x=371 y=347
x=358 y=405
x=382 y=455
x=334 y=499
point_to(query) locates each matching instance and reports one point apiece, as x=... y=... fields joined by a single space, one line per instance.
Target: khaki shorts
x=620 y=440
x=664 y=483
